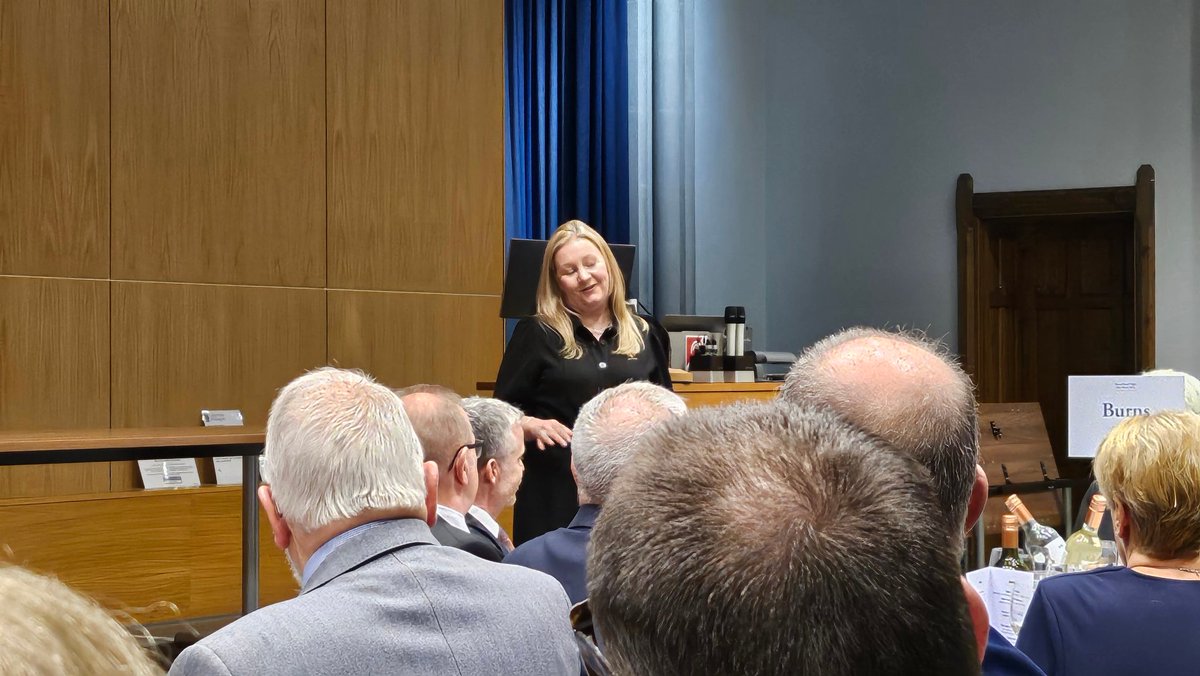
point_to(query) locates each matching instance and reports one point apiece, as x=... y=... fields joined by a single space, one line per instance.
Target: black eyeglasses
x=585 y=640
x=474 y=447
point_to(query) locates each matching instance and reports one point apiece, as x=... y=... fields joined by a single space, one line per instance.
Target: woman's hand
x=545 y=432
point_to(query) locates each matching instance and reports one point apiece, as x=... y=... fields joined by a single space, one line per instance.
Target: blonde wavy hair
x=552 y=311
x=1150 y=465
x=50 y=628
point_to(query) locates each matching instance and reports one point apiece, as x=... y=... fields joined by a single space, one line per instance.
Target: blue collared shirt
x=331 y=544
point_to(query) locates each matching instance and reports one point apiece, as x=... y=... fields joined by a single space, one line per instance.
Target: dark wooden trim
x=995 y=205
x=964 y=216
x=1143 y=310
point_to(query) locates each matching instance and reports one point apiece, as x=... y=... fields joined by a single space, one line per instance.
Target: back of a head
x=338 y=444
x=1150 y=465
x=440 y=422
x=904 y=389
x=51 y=629
x=758 y=540
x=1191 y=387
x=492 y=422
x=609 y=428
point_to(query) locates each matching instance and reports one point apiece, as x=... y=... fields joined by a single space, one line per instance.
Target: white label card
x=169 y=473
x=228 y=469
x=1095 y=404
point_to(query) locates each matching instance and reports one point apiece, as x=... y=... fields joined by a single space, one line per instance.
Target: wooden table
x=111 y=445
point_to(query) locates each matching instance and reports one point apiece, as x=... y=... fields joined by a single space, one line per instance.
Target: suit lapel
x=368 y=546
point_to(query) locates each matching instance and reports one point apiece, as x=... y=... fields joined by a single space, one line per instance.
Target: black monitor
x=524 y=266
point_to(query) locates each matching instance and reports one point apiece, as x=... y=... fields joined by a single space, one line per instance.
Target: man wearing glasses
x=446 y=438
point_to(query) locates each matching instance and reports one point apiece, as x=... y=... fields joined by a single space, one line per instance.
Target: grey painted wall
x=829 y=135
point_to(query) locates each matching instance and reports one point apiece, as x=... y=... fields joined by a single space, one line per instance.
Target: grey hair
x=905 y=389
x=439 y=421
x=788 y=543
x=492 y=422
x=609 y=427
x=1191 y=387
x=337 y=444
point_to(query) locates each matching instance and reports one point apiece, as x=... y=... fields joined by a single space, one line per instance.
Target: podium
x=1015 y=453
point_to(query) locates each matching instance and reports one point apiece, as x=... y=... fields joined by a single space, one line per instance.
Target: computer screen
x=524 y=266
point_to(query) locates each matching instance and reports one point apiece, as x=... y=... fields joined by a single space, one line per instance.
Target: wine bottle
x=1010 y=552
x=1083 y=547
x=1045 y=546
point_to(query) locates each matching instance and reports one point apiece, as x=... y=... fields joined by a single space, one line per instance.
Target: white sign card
x=1007 y=594
x=1095 y=404
x=228 y=468
x=169 y=473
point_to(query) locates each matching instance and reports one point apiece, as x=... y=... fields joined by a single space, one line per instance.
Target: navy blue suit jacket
x=562 y=553
x=1002 y=659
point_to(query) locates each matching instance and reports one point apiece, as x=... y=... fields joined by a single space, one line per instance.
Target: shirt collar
x=452 y=517
x=586 y=516
x=314 y=561
x=485 y=520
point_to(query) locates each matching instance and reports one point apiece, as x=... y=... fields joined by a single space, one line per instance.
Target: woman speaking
x=582 y=340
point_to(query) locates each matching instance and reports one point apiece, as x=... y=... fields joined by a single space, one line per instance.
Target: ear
x=977 y=610
x=978 y=499
x=280 y=529
x=490 y=473
x=1121 y=523
x=430 y=470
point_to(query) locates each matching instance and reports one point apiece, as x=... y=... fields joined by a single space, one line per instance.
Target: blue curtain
x=566 y=142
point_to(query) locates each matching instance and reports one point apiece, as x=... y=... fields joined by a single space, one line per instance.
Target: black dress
x=545 y=385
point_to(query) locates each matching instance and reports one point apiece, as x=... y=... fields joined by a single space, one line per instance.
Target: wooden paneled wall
x=200 y=201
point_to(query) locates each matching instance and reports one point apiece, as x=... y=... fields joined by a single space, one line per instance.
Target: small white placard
x=1095 y=404
x=1007 y=594
x=221 y=418
x=169 y=473
x=229 y=470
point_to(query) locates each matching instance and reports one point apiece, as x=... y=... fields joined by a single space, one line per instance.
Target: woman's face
x=582 y=276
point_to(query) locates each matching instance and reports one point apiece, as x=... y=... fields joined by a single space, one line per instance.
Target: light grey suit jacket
x=390 y=600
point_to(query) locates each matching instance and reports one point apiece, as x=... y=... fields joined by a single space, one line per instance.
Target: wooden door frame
x=971 y=208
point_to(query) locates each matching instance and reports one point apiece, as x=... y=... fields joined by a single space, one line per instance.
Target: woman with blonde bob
x=48 y=628
x=583 y=339
x=1143 y=617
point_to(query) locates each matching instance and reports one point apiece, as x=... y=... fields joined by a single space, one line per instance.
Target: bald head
x=903 y=389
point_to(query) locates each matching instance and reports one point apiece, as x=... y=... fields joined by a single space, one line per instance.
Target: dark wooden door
x=1055 y=289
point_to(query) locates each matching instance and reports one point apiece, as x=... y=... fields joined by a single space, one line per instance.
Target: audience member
x=1191 y=402
x=763 y=540
x=445 y=433
x=1142 y=618
x=349 y=501
x=50 y=628
x=497 y=426
x=607 y=432
x=906 y=390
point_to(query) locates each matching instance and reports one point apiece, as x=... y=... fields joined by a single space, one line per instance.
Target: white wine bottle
x=1010 y=551
x=1045 y=546
x=1083 y=547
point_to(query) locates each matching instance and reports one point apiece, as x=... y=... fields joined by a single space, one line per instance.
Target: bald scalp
x=903 y=389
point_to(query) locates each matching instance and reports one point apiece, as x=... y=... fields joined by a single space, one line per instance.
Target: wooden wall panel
x=54 y=374
x=131 y=550
x=416 y=145
x=178 y=348
x=54 y=138
x=407 y=338
x=218 y=134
